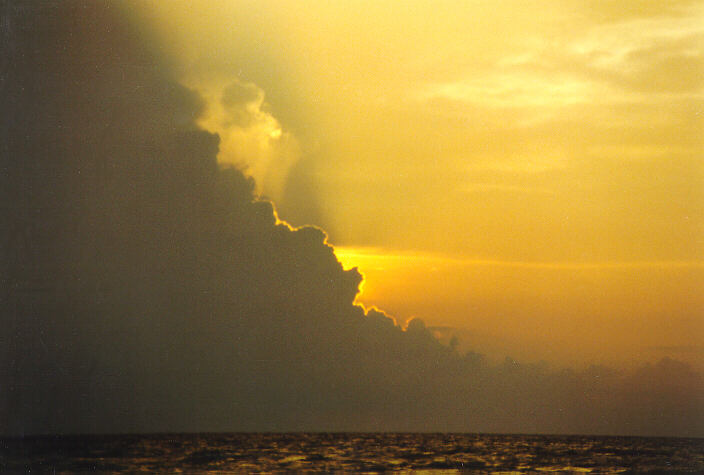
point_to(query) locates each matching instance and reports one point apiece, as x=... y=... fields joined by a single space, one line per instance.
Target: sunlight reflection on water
x=351 y=452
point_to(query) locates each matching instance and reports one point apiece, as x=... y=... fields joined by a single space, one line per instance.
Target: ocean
x=350 y=452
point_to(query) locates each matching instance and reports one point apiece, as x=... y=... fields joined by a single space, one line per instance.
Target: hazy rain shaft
x=146 y=288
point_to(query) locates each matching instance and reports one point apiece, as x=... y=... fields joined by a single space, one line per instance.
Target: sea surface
x=331 y=452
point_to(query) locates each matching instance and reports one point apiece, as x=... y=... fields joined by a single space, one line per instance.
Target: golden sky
x=526 y=175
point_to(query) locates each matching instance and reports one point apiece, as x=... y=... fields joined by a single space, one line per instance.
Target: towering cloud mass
x=250 y=136
x=145 y=288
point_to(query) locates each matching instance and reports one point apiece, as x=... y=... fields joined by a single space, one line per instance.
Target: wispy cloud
x=501 y=188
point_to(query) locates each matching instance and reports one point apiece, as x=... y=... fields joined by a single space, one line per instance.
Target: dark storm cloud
x=145 y=288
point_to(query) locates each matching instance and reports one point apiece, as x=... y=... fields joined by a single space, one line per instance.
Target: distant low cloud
x=146 y=288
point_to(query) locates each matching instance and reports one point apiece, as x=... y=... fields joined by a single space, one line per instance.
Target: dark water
x=350 y=452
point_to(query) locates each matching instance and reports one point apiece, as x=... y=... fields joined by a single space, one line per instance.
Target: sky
x=345 y=217
x=525 y=173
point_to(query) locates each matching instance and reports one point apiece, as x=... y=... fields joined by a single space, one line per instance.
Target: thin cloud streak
x=489 y=187
x=410 y=257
